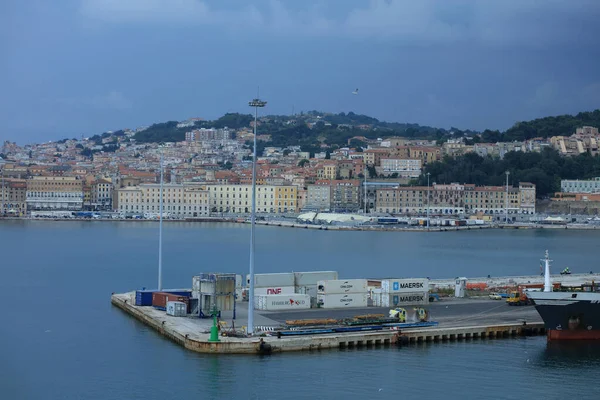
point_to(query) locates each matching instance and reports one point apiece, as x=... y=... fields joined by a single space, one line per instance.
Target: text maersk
x=411 y=285
x=408 y=299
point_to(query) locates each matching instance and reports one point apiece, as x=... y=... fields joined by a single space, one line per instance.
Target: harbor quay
x=457 y=319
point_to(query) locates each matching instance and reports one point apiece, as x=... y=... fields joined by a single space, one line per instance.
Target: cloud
x=525 y=22
x=113 y=100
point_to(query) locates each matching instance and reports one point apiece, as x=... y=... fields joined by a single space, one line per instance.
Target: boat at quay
x=571 y=314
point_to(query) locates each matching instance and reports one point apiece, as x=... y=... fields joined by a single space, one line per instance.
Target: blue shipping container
x=144 y=297
x=179 y=292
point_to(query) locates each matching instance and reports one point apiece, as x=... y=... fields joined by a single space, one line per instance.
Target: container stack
x=350 y=293
x=276 y=302
x=402 y=292
x=272 y=284
x=160 y=300
x=306 y=282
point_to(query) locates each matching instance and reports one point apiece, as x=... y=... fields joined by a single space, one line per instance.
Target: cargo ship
x=571 y=314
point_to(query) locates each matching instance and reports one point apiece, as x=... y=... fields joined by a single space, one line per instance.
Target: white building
x=408 y=167
x=577 y=186
x=179 y=200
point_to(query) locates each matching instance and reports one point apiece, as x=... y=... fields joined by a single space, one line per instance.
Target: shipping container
x=310 y=290
x=272 y=280
x=179 y=292
x=271 y=290
x=239 y=281
x=144 y=297
x=282 y=302
x=409 y=285
x=342 y=286
x=160 y=299
x=401 y=299
x=346 y=300
x=176 y=309
x=312 y=278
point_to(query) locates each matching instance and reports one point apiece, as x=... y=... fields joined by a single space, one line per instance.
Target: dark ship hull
x=569 y=315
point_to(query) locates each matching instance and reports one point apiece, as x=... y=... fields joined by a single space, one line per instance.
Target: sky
x=81 y=67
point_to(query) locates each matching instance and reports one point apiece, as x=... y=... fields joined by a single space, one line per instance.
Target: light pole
x=428 y=174
x=365 y=194
x=256 y=103
x=160 y=223
x=506 y=203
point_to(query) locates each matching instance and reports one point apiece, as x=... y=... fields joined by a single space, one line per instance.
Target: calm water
x=61 y=339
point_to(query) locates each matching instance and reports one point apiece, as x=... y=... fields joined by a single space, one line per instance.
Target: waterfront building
x=54 y=193
x=580 y=186
x=180 y=200
x=404 y=167
x=13 y=195
x=102 y=194
x=237 y=199
x=334 y=195
x=456 y=199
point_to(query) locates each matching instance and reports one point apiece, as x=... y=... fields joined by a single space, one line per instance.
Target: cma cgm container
x=312 y=278
x=160 y=299
x=347 y=300
x=176 y=309
x=271 y=290
x=410 y=285
x=272 y=280
x=342 y=286
x=282 y=302
x=402 y=299
x=144 y=297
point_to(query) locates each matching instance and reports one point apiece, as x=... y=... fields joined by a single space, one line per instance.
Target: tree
x=303 y=162
x=327 y=155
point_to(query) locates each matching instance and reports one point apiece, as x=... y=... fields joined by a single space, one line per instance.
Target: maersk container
x=282 y=302
x=342 y=286
x=409 y=285
x=176 y=309
x=144 y=297
x=273 y=290
x=404 y=299
x=346 y=300
x=272 y=280
x=312 y=278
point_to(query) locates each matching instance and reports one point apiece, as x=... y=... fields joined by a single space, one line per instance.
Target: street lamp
x=506 y=203
x=256 y=103
x=428 y=200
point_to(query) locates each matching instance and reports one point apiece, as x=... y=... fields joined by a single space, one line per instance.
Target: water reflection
x=570 y=354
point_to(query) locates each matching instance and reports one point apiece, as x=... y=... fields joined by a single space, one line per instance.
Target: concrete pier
x=458 y=320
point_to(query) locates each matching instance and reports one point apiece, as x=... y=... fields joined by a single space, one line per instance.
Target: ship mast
x=547 y=283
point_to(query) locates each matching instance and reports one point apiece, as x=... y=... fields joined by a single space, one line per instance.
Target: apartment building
x=13 y=195
x=54 y=193
x=237 y=199
x=580 y=186
x=334 y=195
x=180 y=200
x=101 y=194
x=457 y=199
x=404 y=167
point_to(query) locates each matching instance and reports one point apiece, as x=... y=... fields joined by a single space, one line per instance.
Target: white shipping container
x=272 y=280
x=312 y=278
x=282 y=302
x=274 y=290
x=238 y=281
x=310 y=290
x=342 y=286
x=176 y=309
x=345 y=300
x=410 y=285
x=403 y=299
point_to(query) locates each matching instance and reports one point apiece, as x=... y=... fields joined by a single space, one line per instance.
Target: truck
x=419 y=315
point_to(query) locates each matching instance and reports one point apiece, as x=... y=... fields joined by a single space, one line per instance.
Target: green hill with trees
x=545 y=169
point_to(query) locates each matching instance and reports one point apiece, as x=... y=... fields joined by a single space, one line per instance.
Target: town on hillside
x=339 y=163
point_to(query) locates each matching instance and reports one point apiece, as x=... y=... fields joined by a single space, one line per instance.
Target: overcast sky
x=74 y=67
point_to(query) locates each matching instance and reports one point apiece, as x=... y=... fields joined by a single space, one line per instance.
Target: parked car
x=495 y=296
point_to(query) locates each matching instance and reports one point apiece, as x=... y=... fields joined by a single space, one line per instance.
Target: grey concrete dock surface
x=458 y=319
